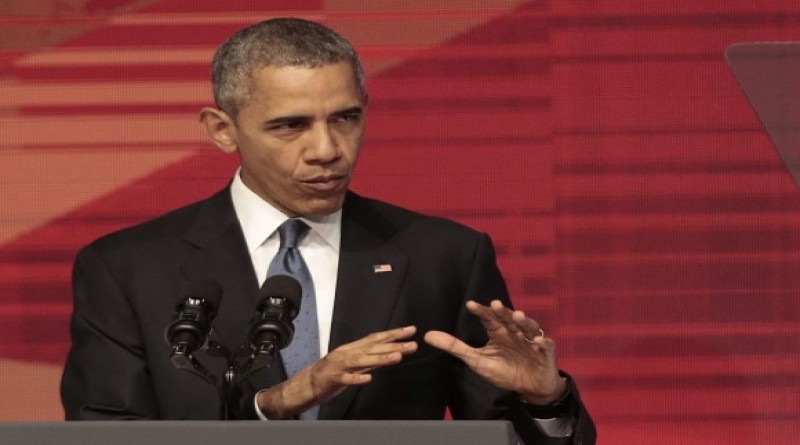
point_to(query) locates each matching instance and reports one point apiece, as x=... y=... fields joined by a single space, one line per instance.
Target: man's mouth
x=325 y=183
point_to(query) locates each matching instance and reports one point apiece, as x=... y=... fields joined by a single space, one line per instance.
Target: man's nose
x=324 y=146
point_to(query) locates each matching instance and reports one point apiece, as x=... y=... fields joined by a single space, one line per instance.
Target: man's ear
x=220 y=128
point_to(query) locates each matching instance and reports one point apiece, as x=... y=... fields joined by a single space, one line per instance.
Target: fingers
x=384 y=337
x=448 y=343
x=347 y=365
x=497 y=318
x=528 y=328
x=371 y=357
x=486 y=316
x=453 y=346
x=373 y=351
x=512 y=327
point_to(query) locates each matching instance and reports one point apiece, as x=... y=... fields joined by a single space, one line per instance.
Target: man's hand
x=517 y=357
x=347 y=365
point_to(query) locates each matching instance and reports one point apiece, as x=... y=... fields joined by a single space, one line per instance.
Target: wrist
x=286 y=400
x=559 y=392
x=549 y=407
x=269 y=403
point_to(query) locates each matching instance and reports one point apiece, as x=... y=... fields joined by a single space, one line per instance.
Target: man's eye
x=353 y=117
x=289 y=126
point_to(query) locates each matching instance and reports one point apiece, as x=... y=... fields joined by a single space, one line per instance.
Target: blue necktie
x=304 y=348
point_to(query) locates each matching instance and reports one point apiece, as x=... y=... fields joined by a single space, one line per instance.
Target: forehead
x=270 y=84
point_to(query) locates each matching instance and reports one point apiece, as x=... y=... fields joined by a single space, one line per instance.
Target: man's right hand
x=347 y=365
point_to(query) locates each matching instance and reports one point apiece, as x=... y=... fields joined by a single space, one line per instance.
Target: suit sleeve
x=105 y=376
x=477 y=398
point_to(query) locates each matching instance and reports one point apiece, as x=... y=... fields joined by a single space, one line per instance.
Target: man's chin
x=322 y=206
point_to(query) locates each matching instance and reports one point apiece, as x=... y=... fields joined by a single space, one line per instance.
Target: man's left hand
x=518 y=357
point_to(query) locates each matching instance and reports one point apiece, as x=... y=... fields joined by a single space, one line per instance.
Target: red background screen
x=638 y=208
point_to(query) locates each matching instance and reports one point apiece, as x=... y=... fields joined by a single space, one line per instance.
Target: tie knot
x=291 y=231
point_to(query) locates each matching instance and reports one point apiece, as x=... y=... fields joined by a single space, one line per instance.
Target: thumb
x=448 y=343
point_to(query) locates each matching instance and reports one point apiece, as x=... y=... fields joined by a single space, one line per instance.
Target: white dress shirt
x=320 y=248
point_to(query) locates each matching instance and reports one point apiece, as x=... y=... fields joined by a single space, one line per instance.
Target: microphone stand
x=183 y=359
x=232 y=377
x=258 y=357
x=263 y=357
x=234 y=374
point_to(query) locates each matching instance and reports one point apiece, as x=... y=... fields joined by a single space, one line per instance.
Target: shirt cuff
x=558 y=427
x=260 y=414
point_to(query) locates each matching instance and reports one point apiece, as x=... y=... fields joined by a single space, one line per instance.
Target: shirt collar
x=260 y=219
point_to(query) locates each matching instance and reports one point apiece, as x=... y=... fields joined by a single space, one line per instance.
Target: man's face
x=299 y=136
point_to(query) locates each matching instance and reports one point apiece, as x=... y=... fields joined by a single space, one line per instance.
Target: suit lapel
x=371 y=272
x=222 y=255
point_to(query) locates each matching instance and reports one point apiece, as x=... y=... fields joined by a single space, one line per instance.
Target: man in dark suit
x=414 y=316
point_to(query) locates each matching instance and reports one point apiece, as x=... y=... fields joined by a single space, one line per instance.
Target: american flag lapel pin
x=382 y=268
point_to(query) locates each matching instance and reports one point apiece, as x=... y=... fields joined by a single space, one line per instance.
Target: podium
x=336 y=432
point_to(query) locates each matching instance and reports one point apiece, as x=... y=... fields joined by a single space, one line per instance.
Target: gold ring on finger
x=530 y=340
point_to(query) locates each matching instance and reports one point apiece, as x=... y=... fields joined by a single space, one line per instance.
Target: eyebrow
x=352 y=110
x=284 y=120
x=300 y=118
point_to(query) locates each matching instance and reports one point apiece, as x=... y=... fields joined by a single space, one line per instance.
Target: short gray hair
x=277 y=42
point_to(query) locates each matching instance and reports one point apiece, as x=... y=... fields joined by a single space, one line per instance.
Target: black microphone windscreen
x=202 y=288
x=282 y=286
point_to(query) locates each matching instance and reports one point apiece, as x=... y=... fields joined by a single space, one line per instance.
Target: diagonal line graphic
x=119 y=160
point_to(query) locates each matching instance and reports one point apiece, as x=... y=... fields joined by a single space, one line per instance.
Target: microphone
x=197 y=305
x=272 y=329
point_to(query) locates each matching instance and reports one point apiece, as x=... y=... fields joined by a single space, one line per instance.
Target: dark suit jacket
x=126 y=285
